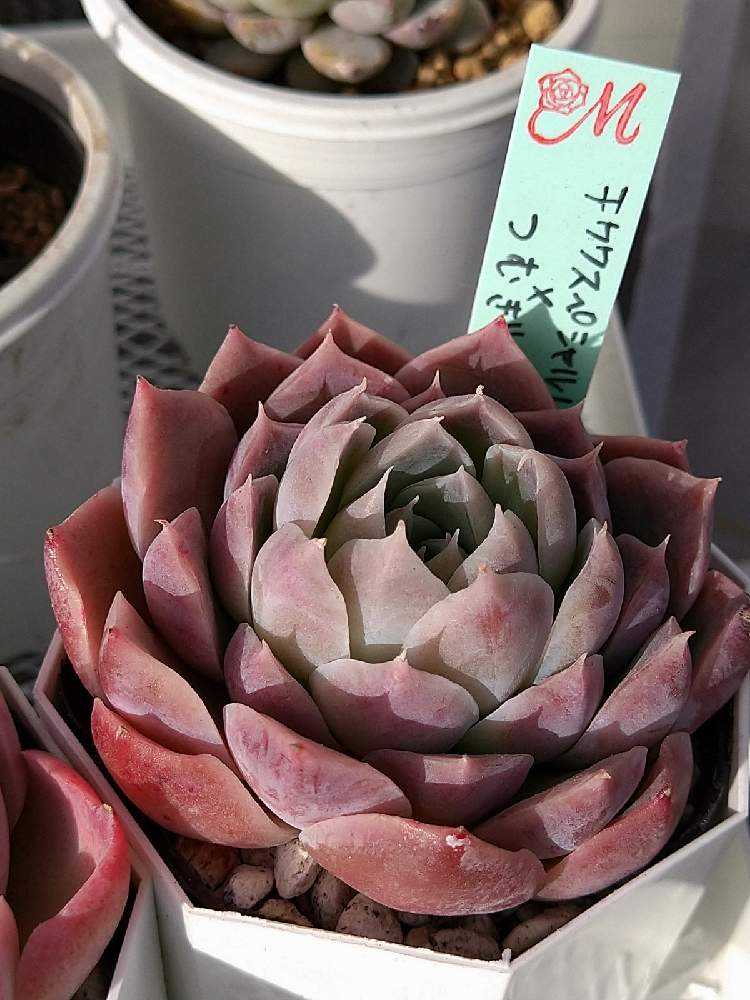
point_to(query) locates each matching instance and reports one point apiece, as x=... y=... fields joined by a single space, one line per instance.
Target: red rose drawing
x=563 y=92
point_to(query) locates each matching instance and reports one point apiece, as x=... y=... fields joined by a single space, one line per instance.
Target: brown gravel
x=30 y=213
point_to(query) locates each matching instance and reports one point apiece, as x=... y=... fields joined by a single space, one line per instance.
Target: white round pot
x=266 y=204
x=60 y=424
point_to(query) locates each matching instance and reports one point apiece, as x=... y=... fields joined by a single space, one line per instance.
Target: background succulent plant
x=64 y=873
x=460 y=645
x=376 y=46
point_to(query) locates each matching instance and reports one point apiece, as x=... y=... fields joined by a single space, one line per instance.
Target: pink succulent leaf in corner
x=263 y=451
x=558 y=432
x=12 y=769
x=358 y=341
x=672 y=453
x=10 y=951
x=431 y=394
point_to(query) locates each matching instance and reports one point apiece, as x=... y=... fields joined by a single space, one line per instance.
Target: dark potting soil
x=31 y=211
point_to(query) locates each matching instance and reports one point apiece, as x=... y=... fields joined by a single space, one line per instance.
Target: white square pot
x=138 y=974
x=614 y=951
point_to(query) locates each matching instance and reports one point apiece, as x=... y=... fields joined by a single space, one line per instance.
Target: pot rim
x=287 y=112
x=81 y=238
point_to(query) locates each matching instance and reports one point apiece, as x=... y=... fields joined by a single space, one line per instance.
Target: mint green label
x=585 y=139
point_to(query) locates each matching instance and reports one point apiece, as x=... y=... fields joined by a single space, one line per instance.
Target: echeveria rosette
x=403 y=610
x=64 y=873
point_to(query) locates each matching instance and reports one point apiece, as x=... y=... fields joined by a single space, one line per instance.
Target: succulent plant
x=377 y=45
x=63 y=895
x=453 y=636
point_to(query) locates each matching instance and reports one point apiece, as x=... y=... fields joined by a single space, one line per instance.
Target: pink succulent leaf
x=374 y=706
x=87 y=560
x=300 y=780
x=421 y=868
x=431 y=394
x=591 y=605
x=721 y=648
x=155 y=699
x=179 y=594
x=534 y=488
x=558 y=432
x=672 y=453
x=193 y=795
x=4 y=850
x=10 y=952
x=326 y=373
x=634 y=839
x=418 y=529
x=320 y=462
x=123 y=617
x=244 y=373
x=507 y=548
x=588 y=485
x=387 y=588
x=560 y=819
x=67 y=891
x=382 y=414
x=177 y=448
x=447 y=560
x=297 y=608
x=454 y=501
x=362 y=518
x=488 y=638
x=257 y=679
x=546 y=719
x=453 y=790
x=413 y=452
x=643 y=707
x=477 y=421
x=12 y=769
x=644 y=603
x=242 y=525
x=262 y=451
x=358 y=341
x=489 y=357
x=652 y=500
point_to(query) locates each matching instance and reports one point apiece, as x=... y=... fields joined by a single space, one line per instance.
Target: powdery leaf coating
x=255 y=678
x=67 y=891
x=265 y=34
x=652 y=500
x=454 y=501
x=320 y=462
x=302 y=781
x=373 y=706
x=721 y=648
x=345 y=56
x=488 y=638
x=558 y=432
x=490 y=358
x=177 y=447
x=362 y=518
x=418 y=529
x=382 y=414
x=414 y=866
x=532 y=486
x=87 y=560
x=431 y=394
x=243 y=523
x=10 y=951
x=263 y=451
x=196 y=796
x=546 y=719
x=325 y=374
x=449 y=557
x=12 y=769
x=634 y=839
x=635 y=446
x=644 y=602
x=643 y=707
x=357 y=340
x=123 y=617
x=453 y=790
x=507 y=548
x=591 y=605
x=243 y=374
x=477 y=421
x=179 y=595
x=431 y=22
x=371 y=17
x=155 y=699
x=560 y=819
x=588 y=485
x=297 y=608
x=387 y=588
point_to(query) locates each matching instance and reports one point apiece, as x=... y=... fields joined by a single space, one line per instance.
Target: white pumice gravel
x=261 y=857
x=328 y=899
x=465 y=943
x=480 y=923
x=282 y=910
x=294 y=870
x=363 y=917
x=247 y=886
x=538 y=927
